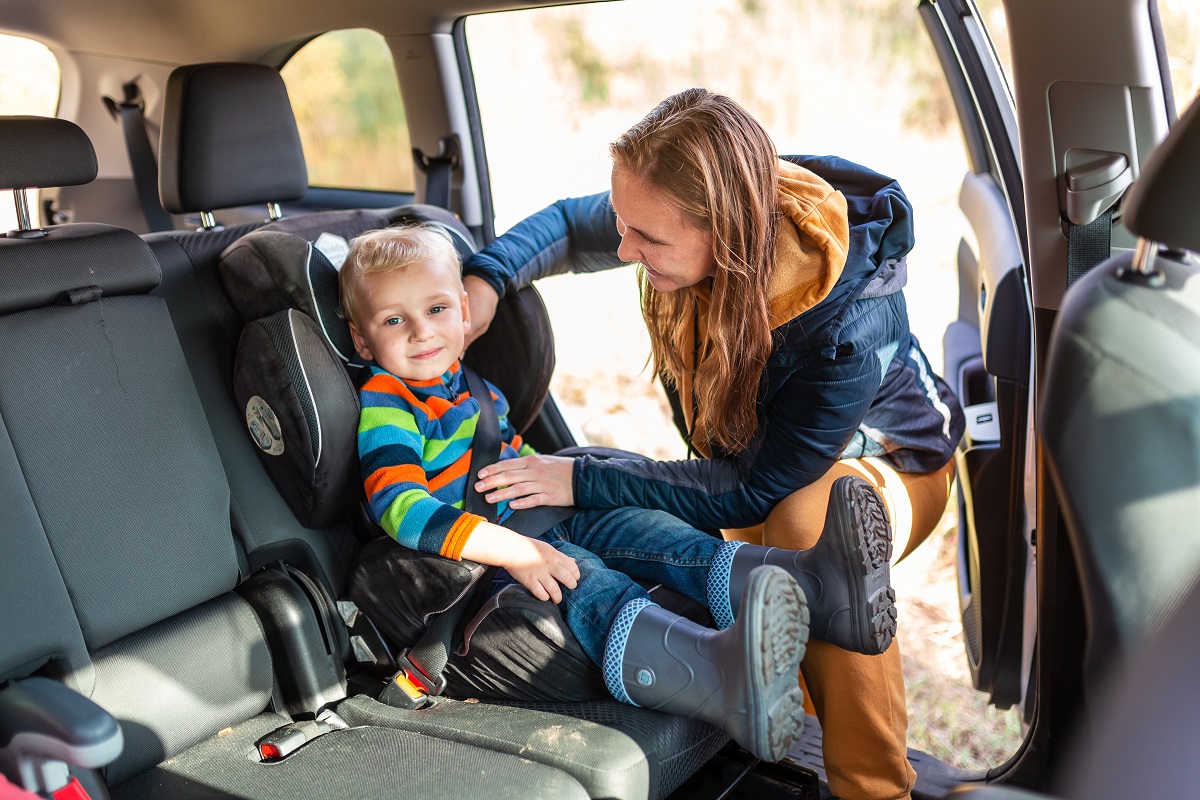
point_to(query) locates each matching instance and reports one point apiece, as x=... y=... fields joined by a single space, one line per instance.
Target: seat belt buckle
x=72 y=791
x=403 y=692
x=415 y=674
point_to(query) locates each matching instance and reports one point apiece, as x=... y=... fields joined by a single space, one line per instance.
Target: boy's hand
x=534 y=563
x=529 y=481
x=540 y=569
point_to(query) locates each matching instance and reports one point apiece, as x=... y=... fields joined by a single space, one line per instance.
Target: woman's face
x=674 y=252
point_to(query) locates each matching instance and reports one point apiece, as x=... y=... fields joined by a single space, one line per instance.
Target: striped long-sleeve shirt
x=414 y=447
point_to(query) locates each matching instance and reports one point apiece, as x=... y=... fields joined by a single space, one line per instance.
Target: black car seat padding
x=205 y=162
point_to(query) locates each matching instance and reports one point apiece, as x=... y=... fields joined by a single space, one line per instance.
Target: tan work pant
x=859 y=700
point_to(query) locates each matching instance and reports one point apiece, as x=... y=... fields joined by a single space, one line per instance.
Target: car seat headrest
x=73 y=264
x=43 y=152
x=271 y=269
x=1161 y=204
x=229 y=138
x=268 y=271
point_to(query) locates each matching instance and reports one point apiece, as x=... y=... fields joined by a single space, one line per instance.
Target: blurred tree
x=346 y=97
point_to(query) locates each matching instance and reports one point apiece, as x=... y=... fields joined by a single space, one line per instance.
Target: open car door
x=988 y=359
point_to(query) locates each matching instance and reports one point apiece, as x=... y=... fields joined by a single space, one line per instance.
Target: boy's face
x=412 y=322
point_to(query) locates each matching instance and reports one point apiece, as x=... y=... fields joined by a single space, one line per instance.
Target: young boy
x=402 y=293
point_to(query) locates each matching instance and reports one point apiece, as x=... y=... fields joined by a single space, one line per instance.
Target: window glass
x=991 y=13
x=346 y=97
x=29 y=84
x=857 y=78
x=1181 y=29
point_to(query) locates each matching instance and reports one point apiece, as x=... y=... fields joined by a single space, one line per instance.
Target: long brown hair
x=718 y=165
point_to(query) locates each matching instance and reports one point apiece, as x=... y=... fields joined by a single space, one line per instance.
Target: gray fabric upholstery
x=1121 y=422
x=119 y=461
x=41 y=152
x=174 y=684
x=1142 y=741
x=37 y=623
x=361 y=763
x=1161 y=205
x=267 y=528
x=613 y=750
x=228 y=139
x=37 y=272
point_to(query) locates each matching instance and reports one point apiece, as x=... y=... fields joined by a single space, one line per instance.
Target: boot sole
x=776 y=637
x=865 y=538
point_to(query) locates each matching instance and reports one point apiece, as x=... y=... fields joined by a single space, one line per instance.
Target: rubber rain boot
x=846 y=577
x=741 y=679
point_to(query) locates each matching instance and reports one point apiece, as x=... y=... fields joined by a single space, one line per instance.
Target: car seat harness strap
x=423 y=664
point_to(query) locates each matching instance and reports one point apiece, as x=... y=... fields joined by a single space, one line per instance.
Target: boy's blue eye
x=437 y=309
x=392 y=321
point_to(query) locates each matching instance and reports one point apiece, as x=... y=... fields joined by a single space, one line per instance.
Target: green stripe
x=378 y=416
x=399 y=508
x=434 y=447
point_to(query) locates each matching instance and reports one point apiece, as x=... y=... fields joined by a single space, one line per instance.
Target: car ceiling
x=176 y=32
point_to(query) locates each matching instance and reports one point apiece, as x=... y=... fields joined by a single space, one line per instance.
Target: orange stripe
x=437 y=406
x=517 y=442
x=460 y=531
x=451 y=473
x=399 y=473
x=390 y=384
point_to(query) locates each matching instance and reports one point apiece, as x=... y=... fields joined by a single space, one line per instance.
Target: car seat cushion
x=388 y=763
x=74 y=264
x=301 y=411
x=161 y=685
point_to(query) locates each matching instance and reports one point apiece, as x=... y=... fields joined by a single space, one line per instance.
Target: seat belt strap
x=438 y=170
x=1087 y=246
x=142 y=162
x=425 y=662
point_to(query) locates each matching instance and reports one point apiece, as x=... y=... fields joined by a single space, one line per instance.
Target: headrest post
x=1144 y=256
x=274 y=212
x=25 y=229
x=207 y=221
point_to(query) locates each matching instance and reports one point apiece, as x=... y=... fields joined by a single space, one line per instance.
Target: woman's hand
x=529 y=481
x=481 y=304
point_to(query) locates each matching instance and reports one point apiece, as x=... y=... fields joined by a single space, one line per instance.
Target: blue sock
x=614 y=648
x=720 y=604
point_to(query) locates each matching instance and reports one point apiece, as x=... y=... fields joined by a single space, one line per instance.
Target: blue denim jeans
x=613 y=547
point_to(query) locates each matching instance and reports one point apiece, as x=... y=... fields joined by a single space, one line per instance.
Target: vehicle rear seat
x=612 y=750
x=118 y=561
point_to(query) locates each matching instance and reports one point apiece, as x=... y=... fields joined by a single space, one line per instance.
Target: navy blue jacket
x=845 y=379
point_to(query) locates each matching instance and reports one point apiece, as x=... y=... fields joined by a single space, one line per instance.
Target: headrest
x=41 y=152
x=1161 y=205
x=292 y=264
x=266 y=271
x=74 y=264
x=229 y=138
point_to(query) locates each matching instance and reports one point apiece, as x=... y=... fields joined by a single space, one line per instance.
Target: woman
x=772 y=294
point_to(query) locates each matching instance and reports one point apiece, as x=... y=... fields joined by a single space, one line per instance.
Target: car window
x=29 y=84
x=1181 y=29
x=346 y=97
x=556 y=85
x=991 y=14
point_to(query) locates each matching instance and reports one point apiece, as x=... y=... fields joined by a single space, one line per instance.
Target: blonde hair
x=388 y=250
x=721 y=170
